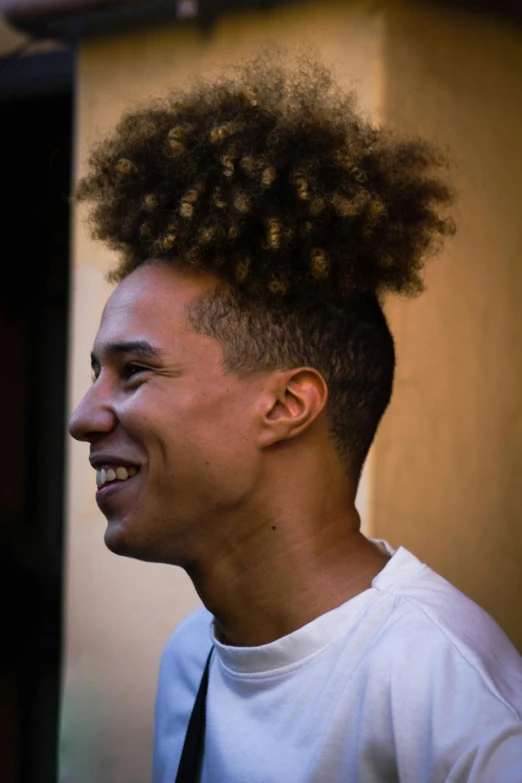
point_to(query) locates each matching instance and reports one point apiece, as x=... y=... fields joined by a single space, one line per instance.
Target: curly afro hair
x=308 y=215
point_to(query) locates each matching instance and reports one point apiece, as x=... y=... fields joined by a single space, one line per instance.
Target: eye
x=130 y=370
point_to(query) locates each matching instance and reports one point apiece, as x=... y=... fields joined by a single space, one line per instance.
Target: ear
x=295 y=398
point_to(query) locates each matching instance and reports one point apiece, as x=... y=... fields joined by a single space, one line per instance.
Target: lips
x=118 y=473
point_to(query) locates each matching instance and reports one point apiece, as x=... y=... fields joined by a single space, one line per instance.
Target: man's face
x=161 y=408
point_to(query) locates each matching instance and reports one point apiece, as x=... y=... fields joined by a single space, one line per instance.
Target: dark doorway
x=35 y=175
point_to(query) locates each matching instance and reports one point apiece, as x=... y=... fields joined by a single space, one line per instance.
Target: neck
x=285 y=573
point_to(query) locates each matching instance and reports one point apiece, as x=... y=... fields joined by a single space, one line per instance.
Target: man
x=241 y=369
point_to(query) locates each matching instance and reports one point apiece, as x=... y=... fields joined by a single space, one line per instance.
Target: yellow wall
x=119 y=612
x=447 y=463
x=444 y=477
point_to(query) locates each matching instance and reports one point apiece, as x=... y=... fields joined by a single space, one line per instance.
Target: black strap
x=188 y=770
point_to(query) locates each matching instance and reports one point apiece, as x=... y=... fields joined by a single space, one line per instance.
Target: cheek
x=213 y=455
x=204 y=441
x=226 y=447
x=219 y=424
x=149 y=427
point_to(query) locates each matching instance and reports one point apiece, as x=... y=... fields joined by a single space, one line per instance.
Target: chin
x=119 y=541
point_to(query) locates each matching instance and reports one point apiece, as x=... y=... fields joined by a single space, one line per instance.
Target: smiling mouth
x=114 y=474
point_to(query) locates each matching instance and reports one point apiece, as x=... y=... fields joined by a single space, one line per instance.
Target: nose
x=93 y=417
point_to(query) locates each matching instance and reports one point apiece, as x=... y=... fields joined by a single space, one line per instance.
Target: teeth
x=122 y=474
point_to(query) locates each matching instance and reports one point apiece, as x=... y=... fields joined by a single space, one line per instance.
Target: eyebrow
x=140 y=348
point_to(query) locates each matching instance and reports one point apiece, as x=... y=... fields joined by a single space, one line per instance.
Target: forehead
x=151 y=302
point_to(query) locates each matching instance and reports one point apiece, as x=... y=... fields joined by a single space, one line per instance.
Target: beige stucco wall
x=447 y=463
x=119 y=613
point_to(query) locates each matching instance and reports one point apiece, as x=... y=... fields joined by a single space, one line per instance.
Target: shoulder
x=447 y=678
x=439 y=631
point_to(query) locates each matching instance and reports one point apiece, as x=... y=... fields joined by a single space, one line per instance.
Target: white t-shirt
x=409 y=681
